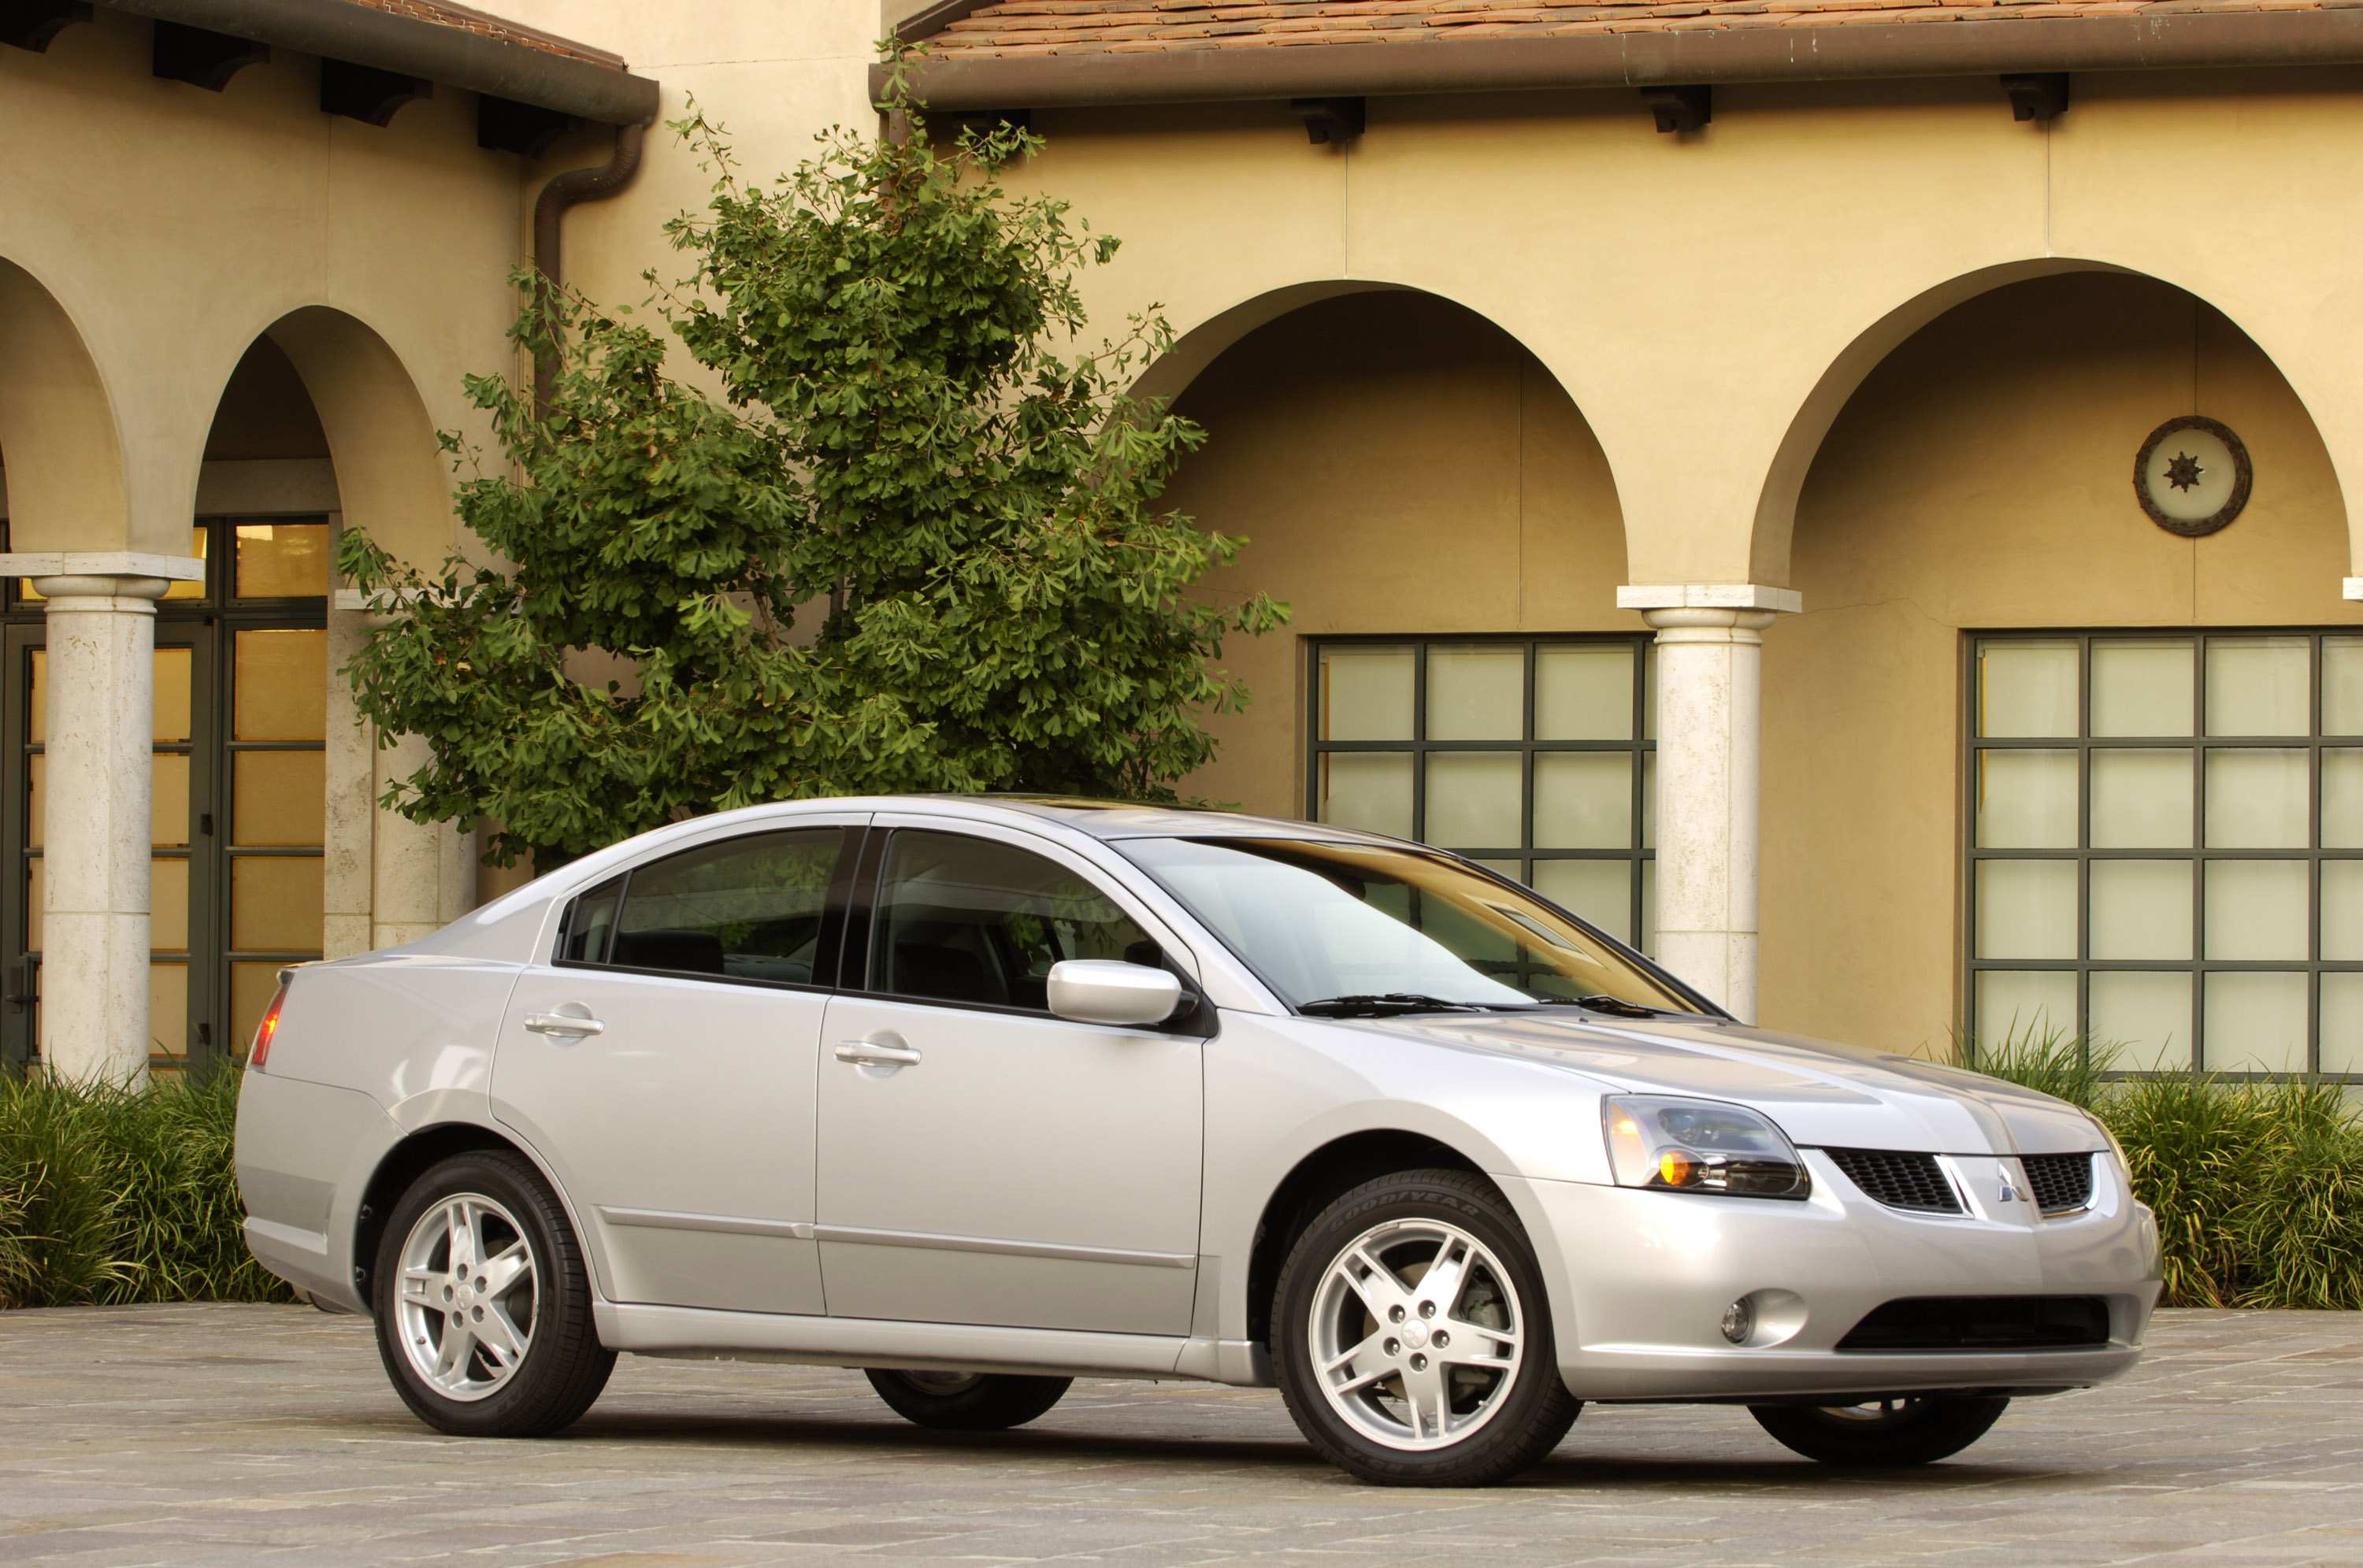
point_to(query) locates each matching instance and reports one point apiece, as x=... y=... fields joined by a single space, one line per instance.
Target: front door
x=980 y=1161
x=662 y=1062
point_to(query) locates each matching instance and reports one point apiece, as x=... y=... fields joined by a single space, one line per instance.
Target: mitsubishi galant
x=982 y=1095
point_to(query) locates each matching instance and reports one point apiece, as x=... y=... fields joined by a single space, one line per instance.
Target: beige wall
x=1982 y=479
x=150 y=233
x=1710 y=300
x=772 y=73
x=172 y=226
x=1398 y=465
x=1710 y=303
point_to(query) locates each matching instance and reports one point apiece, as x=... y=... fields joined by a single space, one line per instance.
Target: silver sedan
x=986 y=1095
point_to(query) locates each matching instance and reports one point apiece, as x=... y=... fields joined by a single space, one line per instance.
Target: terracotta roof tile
x=1140 y=27
x=446 y=15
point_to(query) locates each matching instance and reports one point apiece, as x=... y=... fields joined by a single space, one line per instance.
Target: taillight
x=261 y=1052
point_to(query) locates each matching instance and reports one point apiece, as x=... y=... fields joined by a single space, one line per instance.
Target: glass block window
x=1536 y=756
x=2166 y=844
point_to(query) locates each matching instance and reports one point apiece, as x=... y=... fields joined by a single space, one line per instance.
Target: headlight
x=1699 y=1146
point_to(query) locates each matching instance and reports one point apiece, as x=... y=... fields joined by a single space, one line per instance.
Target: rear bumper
x=304 y=1154
x=1642 y=1279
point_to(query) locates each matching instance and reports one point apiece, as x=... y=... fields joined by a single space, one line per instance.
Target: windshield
x=1354 y=924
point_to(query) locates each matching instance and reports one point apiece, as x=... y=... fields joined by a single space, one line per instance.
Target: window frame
x=1641 y=745
x=829 y=945
x=859 y=960
x=2199 y=743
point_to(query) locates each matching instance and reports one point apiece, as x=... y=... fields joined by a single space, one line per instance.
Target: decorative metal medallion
x=2192 y=476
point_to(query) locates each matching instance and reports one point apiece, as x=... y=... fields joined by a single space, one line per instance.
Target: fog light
x=1739 y=1320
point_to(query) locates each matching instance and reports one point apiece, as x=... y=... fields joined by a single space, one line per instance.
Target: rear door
x=663 y=1060
x=982 y=1161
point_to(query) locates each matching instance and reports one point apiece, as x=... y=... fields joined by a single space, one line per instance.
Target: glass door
x=272 y=834
x=239 y=791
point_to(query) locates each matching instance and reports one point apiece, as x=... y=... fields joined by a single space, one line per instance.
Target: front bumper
x=1643 y=1278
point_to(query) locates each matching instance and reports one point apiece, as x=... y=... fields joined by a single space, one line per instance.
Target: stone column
x=1710 y=726
x=406 y=891
x=96 y=829
x=389 y=880
x=351 y=771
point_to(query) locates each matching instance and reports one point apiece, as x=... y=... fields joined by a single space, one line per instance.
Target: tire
x=1886 y=1434
x=527 y=1360
x=966 y=1401
x=1388 y=1409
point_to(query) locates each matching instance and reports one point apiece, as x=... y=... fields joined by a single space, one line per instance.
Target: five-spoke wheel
x=1412 y=1339
x=483 y=1305
x=1416 y=1334
x=466 y=1296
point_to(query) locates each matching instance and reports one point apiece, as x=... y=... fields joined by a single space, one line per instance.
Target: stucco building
x=1847 y=495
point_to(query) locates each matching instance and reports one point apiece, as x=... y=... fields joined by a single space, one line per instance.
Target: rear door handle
x=864 y=1053
x=561 y=1023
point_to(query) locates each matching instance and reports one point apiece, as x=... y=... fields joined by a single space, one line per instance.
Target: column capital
x=129 y=564
x=1709 y=596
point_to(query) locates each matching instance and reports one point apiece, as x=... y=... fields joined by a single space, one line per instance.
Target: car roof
x=1129 y=819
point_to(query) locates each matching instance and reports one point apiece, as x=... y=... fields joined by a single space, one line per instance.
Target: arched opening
x=2034 y=762
x=240 y=684
x=390 y=469
x=61 y=491
x=1423 y=493
x=60 y=464
x=387 y=880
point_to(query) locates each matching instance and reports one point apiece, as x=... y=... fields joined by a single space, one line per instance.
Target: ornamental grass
x=2258 y=1185
x=115 y=1196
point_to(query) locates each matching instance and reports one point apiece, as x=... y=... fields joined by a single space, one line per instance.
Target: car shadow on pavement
x=1576 y=1468
x=1567 y=1468
x=859 y=1432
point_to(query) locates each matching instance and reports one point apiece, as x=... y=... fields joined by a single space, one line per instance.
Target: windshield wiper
x=1603 y=1002
x=1383 y=1006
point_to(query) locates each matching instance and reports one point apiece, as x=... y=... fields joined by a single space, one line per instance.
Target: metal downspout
x=548 y=214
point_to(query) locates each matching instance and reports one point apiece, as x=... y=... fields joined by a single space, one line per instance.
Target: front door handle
x=561 y=1023
x=866 y=1053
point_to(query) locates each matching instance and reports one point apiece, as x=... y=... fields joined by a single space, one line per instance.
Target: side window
x=967 y=920
x=749 y=908
x=589 y=924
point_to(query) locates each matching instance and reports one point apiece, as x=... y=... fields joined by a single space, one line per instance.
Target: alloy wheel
x=467 y=1296
x=1416 y=1334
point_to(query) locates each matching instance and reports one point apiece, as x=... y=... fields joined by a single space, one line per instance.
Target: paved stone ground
x=205 y=1434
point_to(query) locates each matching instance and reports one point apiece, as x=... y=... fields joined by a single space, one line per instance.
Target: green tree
x=913 y=444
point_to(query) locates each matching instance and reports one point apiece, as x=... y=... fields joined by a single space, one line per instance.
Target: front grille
x=1982 y=1323
x=1899 y=1180
x=2060 y=1183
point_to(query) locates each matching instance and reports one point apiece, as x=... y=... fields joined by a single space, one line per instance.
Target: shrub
x=115 y=1196
x=2257 y=1186
x=2051 y=1060
x=15 y=1257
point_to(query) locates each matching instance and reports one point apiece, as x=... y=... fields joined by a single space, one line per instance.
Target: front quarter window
x=1322 y=920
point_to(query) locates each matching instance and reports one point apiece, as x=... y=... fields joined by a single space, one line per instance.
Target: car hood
x=1823 y=1095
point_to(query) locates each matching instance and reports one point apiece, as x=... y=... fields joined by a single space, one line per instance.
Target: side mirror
x=1102 y=990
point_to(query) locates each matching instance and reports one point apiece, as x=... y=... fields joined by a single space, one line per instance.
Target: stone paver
x=205 y=1434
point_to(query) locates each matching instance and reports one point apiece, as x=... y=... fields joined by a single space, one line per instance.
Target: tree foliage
x=913 y=447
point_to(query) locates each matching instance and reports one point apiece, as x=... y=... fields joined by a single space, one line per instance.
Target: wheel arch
x=408 y=1160
x=1320 y=1178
